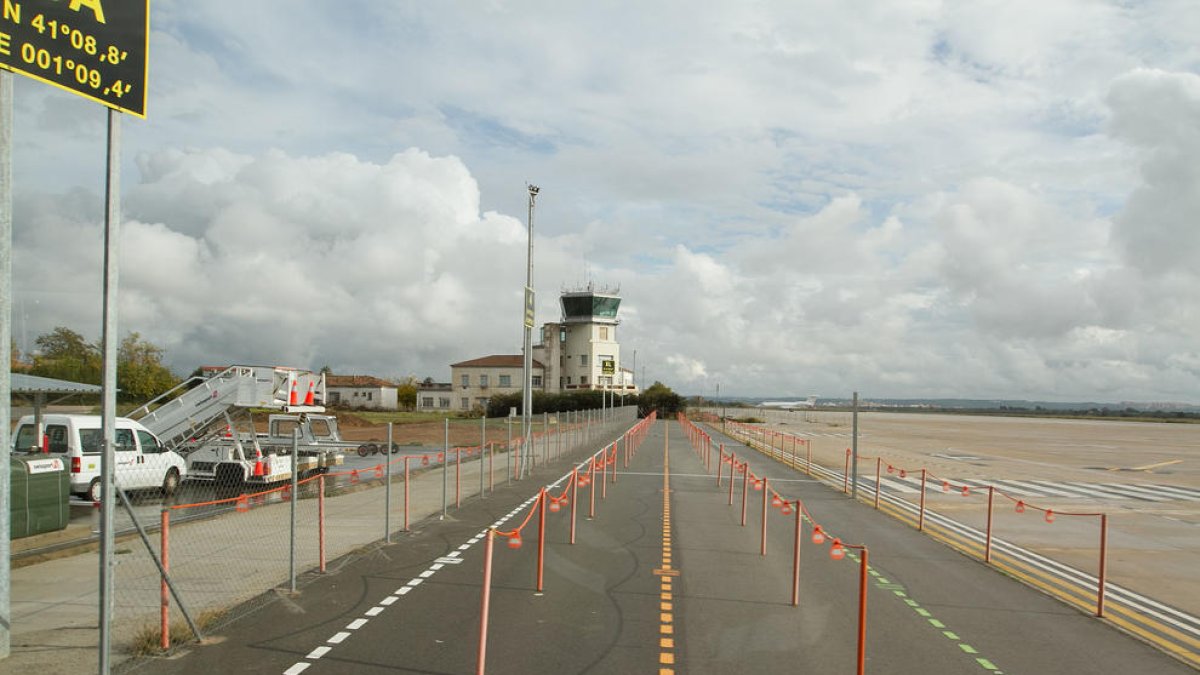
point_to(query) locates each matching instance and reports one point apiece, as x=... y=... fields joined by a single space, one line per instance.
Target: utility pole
x=529 y=315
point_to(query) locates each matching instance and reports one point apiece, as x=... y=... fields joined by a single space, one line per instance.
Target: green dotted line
x=899 y=591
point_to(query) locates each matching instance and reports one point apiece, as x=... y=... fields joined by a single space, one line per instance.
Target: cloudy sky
x=922 y=198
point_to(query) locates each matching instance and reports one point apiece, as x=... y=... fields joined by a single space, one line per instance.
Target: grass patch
x=148 y=640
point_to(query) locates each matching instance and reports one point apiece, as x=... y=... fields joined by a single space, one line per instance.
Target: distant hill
x=997 y=405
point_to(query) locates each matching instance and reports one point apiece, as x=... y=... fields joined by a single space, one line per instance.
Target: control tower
x=581 y=351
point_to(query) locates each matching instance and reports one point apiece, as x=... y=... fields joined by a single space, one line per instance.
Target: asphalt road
x=673 y=585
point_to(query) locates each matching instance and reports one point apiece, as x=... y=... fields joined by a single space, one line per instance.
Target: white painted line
x=415 y=582
x=374 y=611
x=297 y=668
x=338 y=637
x=464 y=547
x=1008 y=486
x=389 y=600
x=1043 y=489
x=318 y=653
x=1184 y=493
x=403 y=590
x=356 y=624
x=1093 y=490
x=427 y=573
x=435 y=566
x=1133 y=491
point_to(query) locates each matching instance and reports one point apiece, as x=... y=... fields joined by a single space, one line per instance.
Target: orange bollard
x=763 y=549
x=165 y=599
x=406 y=493
x=796 y=555
x=541 y=556
x=485 y=600
x=574 y=495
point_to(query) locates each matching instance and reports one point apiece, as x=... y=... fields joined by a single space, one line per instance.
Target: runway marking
x=666 y=618
x=318 y=653
x=896 y=589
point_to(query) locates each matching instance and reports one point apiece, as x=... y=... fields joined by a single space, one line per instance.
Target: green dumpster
x=40 y=493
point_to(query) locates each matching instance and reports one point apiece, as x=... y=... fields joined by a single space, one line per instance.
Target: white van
x=141 y=461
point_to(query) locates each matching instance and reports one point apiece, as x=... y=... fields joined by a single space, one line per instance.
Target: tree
x=660 y=397
x=64 y=354
x=141 y=374
x=406 y=393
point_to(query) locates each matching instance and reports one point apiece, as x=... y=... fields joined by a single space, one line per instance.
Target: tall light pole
x=527 y=399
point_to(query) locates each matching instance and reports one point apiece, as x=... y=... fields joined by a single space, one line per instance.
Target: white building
x=477 y=380
x=361 y=391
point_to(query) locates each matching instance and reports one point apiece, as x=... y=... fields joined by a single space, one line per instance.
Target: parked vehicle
x=233 y=458
x=141 y=461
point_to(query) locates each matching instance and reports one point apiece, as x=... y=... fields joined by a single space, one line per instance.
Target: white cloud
x=975 y=199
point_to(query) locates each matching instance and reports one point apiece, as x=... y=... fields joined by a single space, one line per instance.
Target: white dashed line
x=374 y=611
x=415 y=582
x=318 y=653
x=403 y=590
x=435 y=566
x=297 y=669
x=388 y=600
x=464 y=547
x=356 y=624
x=338 y=637
x=427 y=573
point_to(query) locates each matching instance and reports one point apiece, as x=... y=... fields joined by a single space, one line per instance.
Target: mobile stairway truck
x=188 y=420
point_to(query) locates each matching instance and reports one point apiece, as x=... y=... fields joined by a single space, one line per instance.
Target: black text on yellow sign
x=95 y=48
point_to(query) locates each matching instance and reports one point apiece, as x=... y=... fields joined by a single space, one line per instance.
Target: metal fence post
x=445 y=465
x=292 y=525
x=387 y=493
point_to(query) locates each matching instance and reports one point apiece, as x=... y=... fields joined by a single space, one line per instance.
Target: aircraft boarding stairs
x=185 y=412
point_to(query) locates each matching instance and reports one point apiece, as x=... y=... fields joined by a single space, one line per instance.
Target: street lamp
x=528 y=319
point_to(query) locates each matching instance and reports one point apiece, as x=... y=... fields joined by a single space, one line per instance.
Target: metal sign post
x=6 y=115
x=108 y=397
x=104 y=56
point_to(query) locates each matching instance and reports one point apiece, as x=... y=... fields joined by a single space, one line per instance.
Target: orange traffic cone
x=308 y=398
x=294 y=398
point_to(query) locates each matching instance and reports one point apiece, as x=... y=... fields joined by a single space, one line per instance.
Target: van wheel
x=170 y=483
x=363 y=451
x=93 y=491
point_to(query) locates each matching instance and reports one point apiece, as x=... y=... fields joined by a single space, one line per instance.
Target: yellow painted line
x=666 y=645
x=1155 y=466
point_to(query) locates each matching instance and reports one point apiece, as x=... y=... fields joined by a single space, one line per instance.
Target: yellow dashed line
x=666 y=645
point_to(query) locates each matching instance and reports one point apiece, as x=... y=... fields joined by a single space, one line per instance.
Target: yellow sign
x=608 y=366
x=98 y=49
x=529 y=307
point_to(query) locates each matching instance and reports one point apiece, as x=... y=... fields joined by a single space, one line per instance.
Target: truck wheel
x=372 y=448
x=363 y=451
x=93 y=491
x=395 y=448
x=170 y=482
